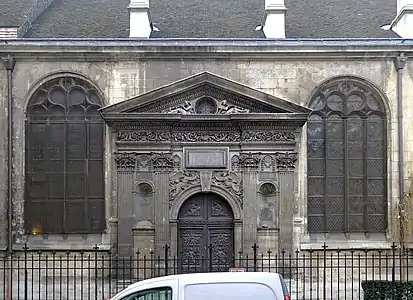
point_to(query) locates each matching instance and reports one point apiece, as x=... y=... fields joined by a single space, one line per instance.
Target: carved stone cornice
x=133 y=161
x=286 y=160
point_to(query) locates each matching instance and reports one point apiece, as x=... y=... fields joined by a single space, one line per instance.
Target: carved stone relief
x=253 y=161
x=206 y=180
x=207 y=136
x=204 y=90
x=286 y=160
x=206 y=105
x=133 y=161
x=230 y=181
x=143 y=136
x=180 y=181
x=217 y=210
x=268 y=136
x=264 y=162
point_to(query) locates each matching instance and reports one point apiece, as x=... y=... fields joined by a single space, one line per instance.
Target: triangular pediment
x=204 y=93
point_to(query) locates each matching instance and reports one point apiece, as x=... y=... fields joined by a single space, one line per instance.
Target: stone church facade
x=199 y=152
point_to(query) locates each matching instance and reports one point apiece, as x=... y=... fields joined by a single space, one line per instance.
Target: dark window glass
x=64 y=159
x=347 y=159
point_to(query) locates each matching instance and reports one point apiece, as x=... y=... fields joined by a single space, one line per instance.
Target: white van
x=209 y=286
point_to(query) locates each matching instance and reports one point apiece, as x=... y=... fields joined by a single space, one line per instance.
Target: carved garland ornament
x=134 y=161
x=253 y=161
x=264 y=162
x=206 y=136
x=182 y=180
x=143 y=136
x=286 y=160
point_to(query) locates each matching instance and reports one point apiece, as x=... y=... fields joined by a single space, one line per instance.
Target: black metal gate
x=206 y=234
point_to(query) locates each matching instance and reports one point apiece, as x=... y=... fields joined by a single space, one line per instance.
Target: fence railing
x=97 y=275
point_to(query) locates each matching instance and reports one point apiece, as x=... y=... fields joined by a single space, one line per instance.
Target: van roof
x=212 y=277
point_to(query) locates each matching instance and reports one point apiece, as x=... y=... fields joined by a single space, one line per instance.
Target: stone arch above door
x=196 y=189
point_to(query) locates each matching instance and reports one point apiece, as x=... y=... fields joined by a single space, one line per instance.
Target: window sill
x=374 y=241
x=68 y=242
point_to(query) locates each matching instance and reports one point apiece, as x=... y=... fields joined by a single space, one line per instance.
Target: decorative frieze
x=286 y=160
x=143 y=136
x=134 y=161
x=206 y=136
x=268 y=136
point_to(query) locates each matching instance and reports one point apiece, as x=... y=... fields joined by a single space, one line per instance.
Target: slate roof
x=12 y=11
x=211 y=18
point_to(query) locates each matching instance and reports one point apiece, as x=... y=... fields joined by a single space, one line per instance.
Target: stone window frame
x=74 y=241
x=345 y=240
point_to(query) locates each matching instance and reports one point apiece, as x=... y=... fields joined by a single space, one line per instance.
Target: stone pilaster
x=286 y=162
x=161 y=218
x=250 y=210
x=126 y=163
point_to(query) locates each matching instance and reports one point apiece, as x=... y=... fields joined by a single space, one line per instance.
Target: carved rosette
x=133 y=161
x=253 y=162
x=286 y=160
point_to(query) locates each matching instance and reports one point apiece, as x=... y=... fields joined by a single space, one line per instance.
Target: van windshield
x=229 y=291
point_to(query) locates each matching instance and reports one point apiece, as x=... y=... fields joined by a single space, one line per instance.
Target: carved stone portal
x=197 y=131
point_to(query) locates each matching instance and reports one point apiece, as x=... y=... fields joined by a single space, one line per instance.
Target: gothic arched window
x=347 y=159
x=64 y=159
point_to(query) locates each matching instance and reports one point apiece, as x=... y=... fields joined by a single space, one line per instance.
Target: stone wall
x=292 y=79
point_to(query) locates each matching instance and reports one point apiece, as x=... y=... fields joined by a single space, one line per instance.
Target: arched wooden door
x=206 y=234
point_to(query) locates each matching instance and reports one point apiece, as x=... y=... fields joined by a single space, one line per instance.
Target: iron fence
x=97 y=275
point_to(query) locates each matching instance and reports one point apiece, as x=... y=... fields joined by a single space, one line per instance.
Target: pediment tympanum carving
x=204 y=94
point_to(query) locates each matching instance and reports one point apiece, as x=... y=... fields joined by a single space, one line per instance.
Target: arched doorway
x=205 y=234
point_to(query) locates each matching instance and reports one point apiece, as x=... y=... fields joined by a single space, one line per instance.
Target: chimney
x=403 y=23
x=139 y=19
x=274 y=26
x=9 y=32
